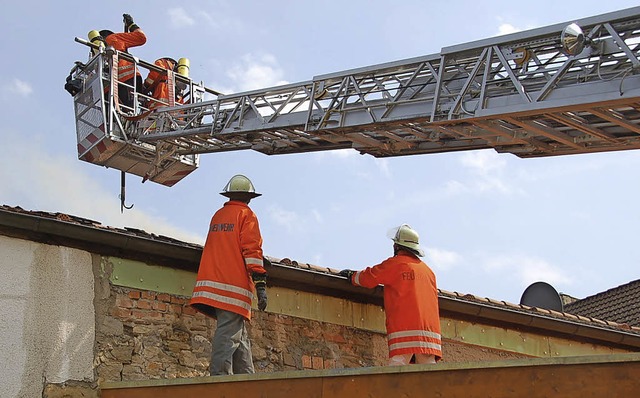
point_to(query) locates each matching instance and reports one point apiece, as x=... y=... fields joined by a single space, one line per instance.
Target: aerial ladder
x=569 y=88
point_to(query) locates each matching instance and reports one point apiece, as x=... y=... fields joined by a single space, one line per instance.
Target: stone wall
x=143 y=335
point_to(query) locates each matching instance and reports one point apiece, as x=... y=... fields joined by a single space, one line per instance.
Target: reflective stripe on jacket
x=410 y=303
x=122 y=42
x=157 y=83
x=232 y=252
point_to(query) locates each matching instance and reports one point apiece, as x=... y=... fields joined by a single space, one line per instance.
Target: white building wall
x=47 y=316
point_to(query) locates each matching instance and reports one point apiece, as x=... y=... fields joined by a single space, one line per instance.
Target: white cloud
x=454 y=187
x=220 y=20
x=317 y=216
x=527 y=269
x=256 y=71
x=442 y=259
x=292 y=221
x=489 y=167
x=53 y=183
x=370 y=174
x=285 y=218
x=209 y=19
x=360 y=164
x=19 y=87
x=337 y=153
x=383 y=166
x=506 y=28
x=483 y=162
x=179 y=18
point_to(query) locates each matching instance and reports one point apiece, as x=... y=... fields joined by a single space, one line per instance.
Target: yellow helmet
x=407 y=237
x=96 y=39
x=239 y=185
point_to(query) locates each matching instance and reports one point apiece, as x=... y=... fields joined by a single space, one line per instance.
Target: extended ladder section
x=564 y=89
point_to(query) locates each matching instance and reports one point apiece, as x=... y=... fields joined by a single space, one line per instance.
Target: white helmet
x=239 y=184
x=405 y=236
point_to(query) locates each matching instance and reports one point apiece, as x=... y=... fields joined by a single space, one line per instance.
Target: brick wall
x=147 y=335
x=144 y=334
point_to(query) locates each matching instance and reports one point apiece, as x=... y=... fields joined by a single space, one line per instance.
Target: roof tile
x=620 y=304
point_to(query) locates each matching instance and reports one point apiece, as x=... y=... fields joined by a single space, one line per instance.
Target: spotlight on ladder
x=573 y=39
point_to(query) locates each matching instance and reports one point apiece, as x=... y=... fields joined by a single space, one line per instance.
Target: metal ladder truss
x=523 y=93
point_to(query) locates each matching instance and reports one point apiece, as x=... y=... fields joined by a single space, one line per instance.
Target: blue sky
x=491 y=223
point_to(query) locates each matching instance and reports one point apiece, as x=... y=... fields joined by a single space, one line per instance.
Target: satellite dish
x=573 y=39
x=542 y=295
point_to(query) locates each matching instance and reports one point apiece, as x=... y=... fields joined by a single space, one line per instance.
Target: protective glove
x=129 y=25
x=260 y=280
x=347 y=273
x=261 y=291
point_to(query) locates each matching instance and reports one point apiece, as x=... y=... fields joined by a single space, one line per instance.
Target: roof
x=620 y=304
x=67 y=230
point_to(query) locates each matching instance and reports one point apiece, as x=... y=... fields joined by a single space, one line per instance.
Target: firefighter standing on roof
x=410 y=300
x=128 y=75
x=230 y=266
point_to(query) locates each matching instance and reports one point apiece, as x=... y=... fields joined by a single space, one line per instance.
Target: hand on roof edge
x=346 y=273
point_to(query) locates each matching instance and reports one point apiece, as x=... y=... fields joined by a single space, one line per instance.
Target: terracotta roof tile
x=620 y=304
x=492 y=301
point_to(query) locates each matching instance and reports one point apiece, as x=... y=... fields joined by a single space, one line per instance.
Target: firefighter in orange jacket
x=157 y=86
x=410 y=300
x=230 y=266
x=128 y=74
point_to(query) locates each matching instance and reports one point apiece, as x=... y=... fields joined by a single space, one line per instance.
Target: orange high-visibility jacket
x=232 y=252
x=122 y=42
x=156 y=82
x=410 y=303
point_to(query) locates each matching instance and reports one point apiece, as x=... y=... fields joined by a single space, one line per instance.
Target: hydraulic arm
x=564 y=89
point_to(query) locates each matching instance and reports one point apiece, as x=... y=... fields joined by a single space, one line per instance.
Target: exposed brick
x=160 y=306
x=164 y=297
x=143 y=329
x=188 y=310
x=143 y=304
x=155 y=315
x=124 y=301
x=168 y=317
x=161 y=336
x=138 y=314
x=121 y=313
x=334 y=337
x=329 y=363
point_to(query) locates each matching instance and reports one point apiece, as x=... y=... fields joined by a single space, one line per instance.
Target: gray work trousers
x=231 y=352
